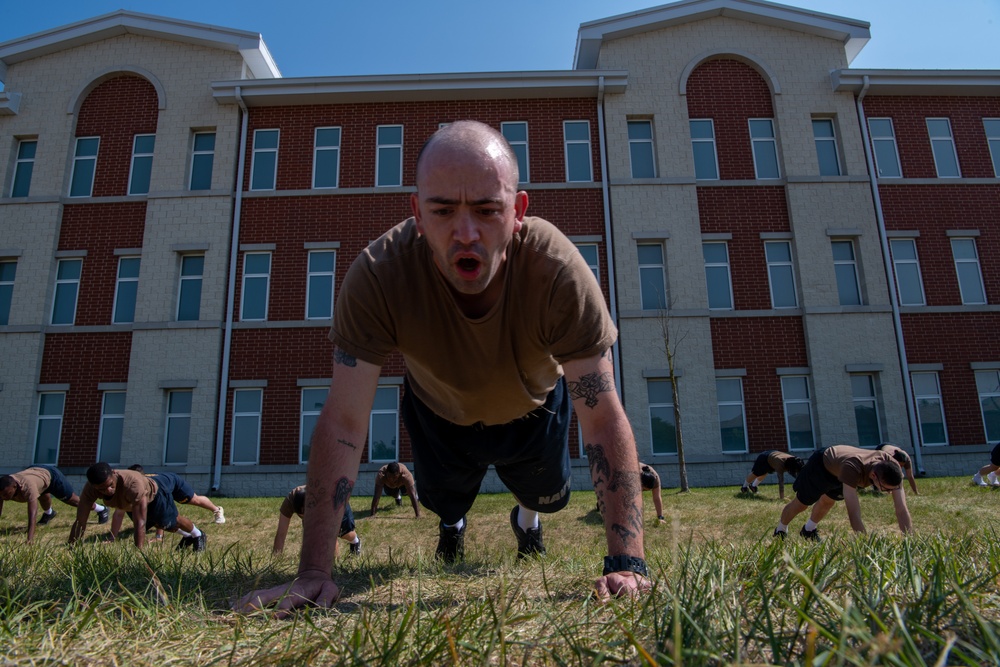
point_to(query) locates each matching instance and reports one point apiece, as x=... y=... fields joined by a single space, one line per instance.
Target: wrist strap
x=623 y=563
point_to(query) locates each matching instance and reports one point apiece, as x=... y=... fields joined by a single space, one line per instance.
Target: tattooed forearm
x=590 y=386
x=626 y=482
x=346 y=443
x=342 y=493
x=343 y=358
x=600 y=468
x=311 y=498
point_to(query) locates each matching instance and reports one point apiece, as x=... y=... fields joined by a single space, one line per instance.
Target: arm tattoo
x=346 y=443
x=589 y=386
x=342 y=492
x=344 y=359
x=311 y=498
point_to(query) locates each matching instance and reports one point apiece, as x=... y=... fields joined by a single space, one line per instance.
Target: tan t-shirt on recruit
x=853 y=465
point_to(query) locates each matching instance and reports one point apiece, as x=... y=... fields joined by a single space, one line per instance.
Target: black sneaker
x=185 y=542
x=46 y=517
x=103 y=516
x=451 y=543
x=810 y=534
x=782 y=534
x=753 y=489
x=529 y=542
x=744 y=489
x=356 y=548
x=198 y=543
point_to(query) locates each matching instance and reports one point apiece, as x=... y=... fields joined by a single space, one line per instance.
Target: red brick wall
x=745 y=212
x=761 y=345
x=359 y=122
x=117 y=110
x=83 y=360
x=955 y=340
x=100 y=229
x=729 y=92
x=909 y=119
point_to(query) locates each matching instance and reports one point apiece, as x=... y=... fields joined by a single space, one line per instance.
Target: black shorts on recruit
x=995 y=455
x=59 y=487
x=530 y=454
x=815 y=481
x=761 y=466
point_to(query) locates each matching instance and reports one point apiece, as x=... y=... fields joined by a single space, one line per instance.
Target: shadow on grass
x=591 y=518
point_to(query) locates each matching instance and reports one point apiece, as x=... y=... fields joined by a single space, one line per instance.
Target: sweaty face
x=107 y=487
x=467 y=210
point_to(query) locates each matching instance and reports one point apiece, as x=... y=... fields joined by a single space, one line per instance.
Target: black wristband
x=623 y=563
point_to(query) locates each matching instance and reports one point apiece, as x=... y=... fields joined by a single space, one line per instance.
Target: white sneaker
x=992 y=479
x=220 y=515
x=978 y=480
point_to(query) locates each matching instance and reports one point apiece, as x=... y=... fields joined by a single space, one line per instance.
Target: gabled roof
x=250 y=45
x=852 y=33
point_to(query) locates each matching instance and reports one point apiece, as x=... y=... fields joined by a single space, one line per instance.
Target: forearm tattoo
x=344 y=359
x=346 y=443
x=600 y=471
x=620 y=482
x=342 y=492
x=590 y=386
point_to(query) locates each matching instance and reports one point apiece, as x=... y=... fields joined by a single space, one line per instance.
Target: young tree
x=671 y=341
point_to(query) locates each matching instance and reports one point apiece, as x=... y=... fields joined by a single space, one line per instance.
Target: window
x=988 y=384
x=780 y=274
x=846 y=269
x=313 y=399
x=202 y=160
x=826 y=147
x=383 y=427
x=930 y=408
x=189 y=290
x=109 y=447
x=389 y=156
x=798 y=412
x=589 y=252
x=652 y=284
x=246 y=425
x=970 y=280
x=576 y=135
x=517 y=136
x=67 y=290
x=142 y=164
x=8 y=271
x=909 y=283
x=319 y=285
x=943 y=147
x=48 y=430
x=706 y=163
x=884 y=147
x=81 y=182
x=717 y=276
x=732 y=417
x=256 y=279
x=326 y=157
x=662 y=426
x=866 y=410
x=992 y=128
x=126 y=290
x=264 y=167
x=640 y=148
x=24 y=165
x=178 y=431
x=765 y=148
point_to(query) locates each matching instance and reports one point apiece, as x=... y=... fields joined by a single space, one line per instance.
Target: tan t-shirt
x=852 y=465
x=30 y=483
x=904 y=460
x=491 y=369
x=777 y=461
x=130 y=487
x=288 y=504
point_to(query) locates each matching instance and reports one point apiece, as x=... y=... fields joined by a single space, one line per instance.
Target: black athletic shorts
x=59 y=487
x=760 y=466
x=530 y=454
x=995 y=455
x=815 y=481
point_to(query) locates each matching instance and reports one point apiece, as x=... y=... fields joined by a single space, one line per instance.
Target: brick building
x=176 y=218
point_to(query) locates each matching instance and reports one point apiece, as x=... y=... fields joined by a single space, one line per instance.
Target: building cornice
x=974 y=82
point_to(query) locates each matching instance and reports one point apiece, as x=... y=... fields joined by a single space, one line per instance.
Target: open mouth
x=468 y=265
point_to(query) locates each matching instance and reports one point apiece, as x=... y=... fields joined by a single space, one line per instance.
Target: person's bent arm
x=334 y=459
x=32 y=518
x=116 y=525
x=279 y=535
x=614 y=466
x=913 y=482
x=411 y=491
x=139 y=520
x=902 y=511
x=853 y=505
x=658 y=500
x=79 y=527
x=376 y=494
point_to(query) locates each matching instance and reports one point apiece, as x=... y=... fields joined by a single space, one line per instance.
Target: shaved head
x=470 y=138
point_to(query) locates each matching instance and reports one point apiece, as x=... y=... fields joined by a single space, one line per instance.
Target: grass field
x=725 y=591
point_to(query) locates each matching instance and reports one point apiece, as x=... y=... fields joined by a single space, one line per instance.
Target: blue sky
x=340 y=37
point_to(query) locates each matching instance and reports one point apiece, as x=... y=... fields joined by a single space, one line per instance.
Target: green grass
x=725 y=591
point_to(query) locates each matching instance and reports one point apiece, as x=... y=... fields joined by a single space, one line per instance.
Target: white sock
x=194 y=531
x=755 y=483
x=99 y=508
x=527 y=519
x=811 y=525
x=50 y=511
x=183 y=533
x=356 y=540
x=457 y=526
x=782 y=528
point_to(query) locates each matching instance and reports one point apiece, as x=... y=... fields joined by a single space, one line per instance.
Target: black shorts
x=995 y=455
x=59 y=487
x=161 y=512
x=530 y=454
x=816 y=481
x=761 y=466
x=176 y=486
x=347 y=523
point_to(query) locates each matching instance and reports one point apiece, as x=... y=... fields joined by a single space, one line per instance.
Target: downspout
x=609 y=240
x=234 y=250
x=911 y=410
